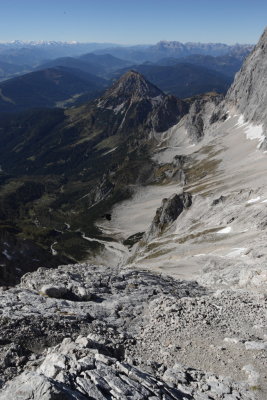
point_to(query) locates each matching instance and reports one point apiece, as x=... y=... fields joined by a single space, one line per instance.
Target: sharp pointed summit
x=132 y=86
x=139 y=105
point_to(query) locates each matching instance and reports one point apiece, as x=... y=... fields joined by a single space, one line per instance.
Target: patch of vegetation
x=196 y=235
x=255 y=387
x=72 y=245
x=197 y=170
x=157 y=254
x=201 y=169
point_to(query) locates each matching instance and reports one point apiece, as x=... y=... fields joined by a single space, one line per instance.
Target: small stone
x=218 y=388
x=105 y=359
x=256 y=345
x=83 y=293
x=231 y=340
x=82 y=341
x=230 y=397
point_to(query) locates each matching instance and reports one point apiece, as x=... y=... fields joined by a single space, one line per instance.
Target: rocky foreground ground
x=87 y=332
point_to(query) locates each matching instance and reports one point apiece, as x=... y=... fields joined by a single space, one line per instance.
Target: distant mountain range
x=66 y=81
x=165 y=49
x=69 y=81
x=101 y=65
x=60 y=86
x=34 y=53
x=228 y=65
x=44 y=78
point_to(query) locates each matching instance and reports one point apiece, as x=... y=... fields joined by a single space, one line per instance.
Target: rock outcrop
x=76 y=370
x=248 y=92
x=168 y=212
x=202 y=113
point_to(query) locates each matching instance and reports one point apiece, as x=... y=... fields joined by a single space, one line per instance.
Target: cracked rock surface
x=121 y=333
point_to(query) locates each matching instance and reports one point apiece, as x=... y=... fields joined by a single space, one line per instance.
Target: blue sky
x=132 y=22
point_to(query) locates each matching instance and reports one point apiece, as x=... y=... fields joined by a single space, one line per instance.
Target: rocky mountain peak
x=131 y=86
x=248 y=93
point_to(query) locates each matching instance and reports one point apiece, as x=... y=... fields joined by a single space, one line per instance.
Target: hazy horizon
x=117 y=43
x=132 y=23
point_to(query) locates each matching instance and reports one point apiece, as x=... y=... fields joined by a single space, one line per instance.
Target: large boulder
x=55 y=291
x=33 y=386
x=168 y=212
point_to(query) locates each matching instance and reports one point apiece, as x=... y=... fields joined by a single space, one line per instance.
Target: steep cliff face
x=247 y=98
x=248 y=92
x=203 y=112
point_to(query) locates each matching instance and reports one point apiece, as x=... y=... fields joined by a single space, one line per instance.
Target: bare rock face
x=101 y=190
x=38 y=387
x=74 y=370
x=198 y=117
x=248 y=92
x=169 y=211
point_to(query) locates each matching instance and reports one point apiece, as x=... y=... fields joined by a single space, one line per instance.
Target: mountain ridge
x=47 y=88
x=100 y=65
x=178 y=49
x=35 y=53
